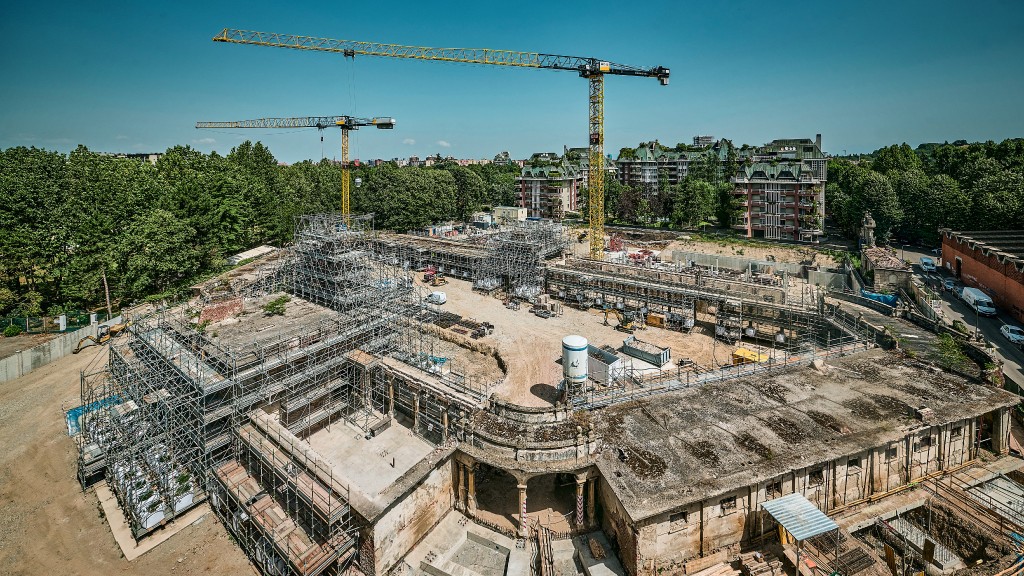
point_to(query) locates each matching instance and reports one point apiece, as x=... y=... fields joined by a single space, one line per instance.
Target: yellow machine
x=593 y=69
x=438 y=280
x=104 y=336
x=655 y=319
x=747 y=356
x=627 y=322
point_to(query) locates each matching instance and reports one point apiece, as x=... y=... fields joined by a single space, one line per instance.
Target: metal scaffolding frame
x=177 y=416
x=515 y=258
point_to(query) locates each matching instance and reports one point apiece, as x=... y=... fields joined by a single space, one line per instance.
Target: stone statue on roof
x=867 y=231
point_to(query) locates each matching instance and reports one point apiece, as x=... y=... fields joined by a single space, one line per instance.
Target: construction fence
x=67 y=322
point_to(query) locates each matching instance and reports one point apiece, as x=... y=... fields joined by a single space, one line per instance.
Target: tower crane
x=592 y=69
x=346 y=123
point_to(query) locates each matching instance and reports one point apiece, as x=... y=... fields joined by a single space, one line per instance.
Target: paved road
x=955 y=309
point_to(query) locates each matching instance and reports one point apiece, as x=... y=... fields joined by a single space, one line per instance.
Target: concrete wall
x=618 y=526
x=734 y=262
x=830 y=280
x=25 y=361
x=681 y=540
x=412 y=517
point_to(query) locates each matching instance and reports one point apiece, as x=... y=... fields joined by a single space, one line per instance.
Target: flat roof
x=682 y=447
x=799 y=517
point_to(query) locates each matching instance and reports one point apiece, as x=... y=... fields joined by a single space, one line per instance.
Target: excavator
x=628 y=322
x=103 y=336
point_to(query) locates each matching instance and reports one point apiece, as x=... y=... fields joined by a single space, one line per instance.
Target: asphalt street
x=955 y=309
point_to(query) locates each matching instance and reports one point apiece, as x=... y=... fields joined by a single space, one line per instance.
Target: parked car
x=1012 y=333
x=979 y=301
x=949 y=284
x=958 y=289
x=927 y=264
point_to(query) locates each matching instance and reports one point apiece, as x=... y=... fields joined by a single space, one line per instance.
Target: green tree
x=896 y=157
x=159 y=253
x=470 y=193
x=693 y=202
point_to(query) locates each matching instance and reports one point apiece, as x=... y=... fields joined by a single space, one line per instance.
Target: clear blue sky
x=127 y=76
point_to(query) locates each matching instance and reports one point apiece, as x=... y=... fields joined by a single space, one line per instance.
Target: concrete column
x=591 y=494
x=416 y=413
x=460 y=478
x=581 y=482
x=391 y=398
x=471 y=495
x=523 y=531
x=1001 y=431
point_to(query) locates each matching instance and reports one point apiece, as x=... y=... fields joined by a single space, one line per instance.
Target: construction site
x=550 y=414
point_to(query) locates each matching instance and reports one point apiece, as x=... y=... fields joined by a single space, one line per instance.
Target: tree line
x=76 y=223
x=911 y=193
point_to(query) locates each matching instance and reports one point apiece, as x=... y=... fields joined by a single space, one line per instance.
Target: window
x=677 y=521
x=816 y=477
x=956 y=432
x=892 y=453
x=773 y=488
x=727 y=503
x=853 y=463
x=923 y=444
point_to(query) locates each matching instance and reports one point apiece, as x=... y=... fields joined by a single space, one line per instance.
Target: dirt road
x=532 y=346
x=47 y=524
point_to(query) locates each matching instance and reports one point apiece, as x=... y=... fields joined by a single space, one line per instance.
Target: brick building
x=992 y=261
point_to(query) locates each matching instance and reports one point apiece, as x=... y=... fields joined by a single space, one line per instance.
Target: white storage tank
x=574 y=361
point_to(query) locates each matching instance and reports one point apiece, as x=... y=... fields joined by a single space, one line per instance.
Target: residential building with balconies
x=779 y=200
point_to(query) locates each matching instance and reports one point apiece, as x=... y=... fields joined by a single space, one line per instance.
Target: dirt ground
x=780 y=253
x=9 y=346
x=532 y=346
x=47 y=524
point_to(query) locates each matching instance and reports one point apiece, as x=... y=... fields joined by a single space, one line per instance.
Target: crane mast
x=593 y=69
x=346 y=123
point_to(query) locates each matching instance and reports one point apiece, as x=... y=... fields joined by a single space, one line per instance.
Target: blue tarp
x=75 y=413
x=887 y=299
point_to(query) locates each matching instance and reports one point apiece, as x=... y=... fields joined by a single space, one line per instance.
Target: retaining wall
x=25 y=361
x=734 y=262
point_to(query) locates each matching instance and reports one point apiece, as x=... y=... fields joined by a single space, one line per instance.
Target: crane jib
x=489 y=56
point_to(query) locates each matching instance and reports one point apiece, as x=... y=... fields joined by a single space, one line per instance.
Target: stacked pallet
x=720 y=569
x=760 y=564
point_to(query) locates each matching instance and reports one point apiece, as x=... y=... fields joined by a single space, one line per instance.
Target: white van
x=437 y=298
x=980 y=301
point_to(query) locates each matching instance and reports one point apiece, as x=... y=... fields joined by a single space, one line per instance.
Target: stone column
x=444 y=425
x=523 y=530
x=581 y=482
x=391 y=398
x=1001 y=431
x=591 y=511
x=471 y=496
x=460 y=478
x=416 y=413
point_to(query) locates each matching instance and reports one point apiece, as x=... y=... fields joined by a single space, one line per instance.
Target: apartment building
x=549 y=184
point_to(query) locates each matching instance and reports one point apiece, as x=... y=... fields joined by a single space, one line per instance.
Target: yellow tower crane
x=346 y=123
x=593 y=69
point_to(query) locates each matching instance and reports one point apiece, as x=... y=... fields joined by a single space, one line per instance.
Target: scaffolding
x=211 y=398
x=515 y=258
